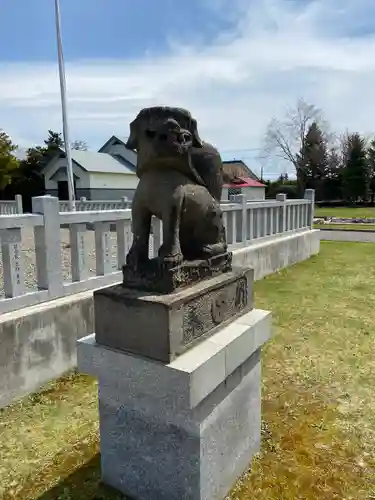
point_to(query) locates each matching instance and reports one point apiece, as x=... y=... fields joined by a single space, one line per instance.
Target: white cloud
x=280 y=50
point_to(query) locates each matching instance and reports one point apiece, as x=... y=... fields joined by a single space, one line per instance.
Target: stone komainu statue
x=180 y=182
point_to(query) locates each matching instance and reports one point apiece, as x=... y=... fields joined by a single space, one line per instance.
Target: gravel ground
x=345 y=235
x=28 y=250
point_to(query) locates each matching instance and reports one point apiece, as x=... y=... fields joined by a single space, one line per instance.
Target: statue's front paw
x=209 y=251
x=170 y=259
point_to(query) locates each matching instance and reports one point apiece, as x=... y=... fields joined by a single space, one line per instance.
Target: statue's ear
x=132 y=142
x=197 y=142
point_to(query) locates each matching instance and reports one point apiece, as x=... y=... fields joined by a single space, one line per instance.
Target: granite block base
x=186 y=430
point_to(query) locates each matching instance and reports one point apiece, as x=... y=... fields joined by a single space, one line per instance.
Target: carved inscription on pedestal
x=210 y=310
x=226 y=303
x=219 y=308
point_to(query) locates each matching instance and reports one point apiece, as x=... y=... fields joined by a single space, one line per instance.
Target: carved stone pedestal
x=163 y=326
x=184 y=430
x=153 y=277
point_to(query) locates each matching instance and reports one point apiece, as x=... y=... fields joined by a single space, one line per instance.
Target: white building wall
x=113 y=181
x=254 y=193
x=224 y=194
x=251 y=193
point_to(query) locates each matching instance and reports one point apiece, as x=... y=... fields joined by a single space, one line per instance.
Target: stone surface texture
x=163 y=326
x=186 y=430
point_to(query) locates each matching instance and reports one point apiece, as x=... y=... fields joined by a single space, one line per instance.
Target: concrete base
x=273 y=253
x=39 y=343
x=185 y=430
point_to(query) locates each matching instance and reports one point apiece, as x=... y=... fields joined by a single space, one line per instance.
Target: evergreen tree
x=371 y=167
x=282 y=178
x=29 y=180
x=39 y=156
x=8 y=162
x=54 y=140
x=313 y=160
x=356 y=173
x=333 y=178
x=53 y=143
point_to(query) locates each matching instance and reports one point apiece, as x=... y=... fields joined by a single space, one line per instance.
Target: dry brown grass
x=318 y=409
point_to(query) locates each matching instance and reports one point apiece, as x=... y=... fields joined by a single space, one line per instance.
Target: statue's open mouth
x=175 y=140
x=181 y=141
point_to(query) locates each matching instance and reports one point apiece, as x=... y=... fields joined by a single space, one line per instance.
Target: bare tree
x=285 y=139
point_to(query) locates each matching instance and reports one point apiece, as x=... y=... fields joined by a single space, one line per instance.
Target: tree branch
x=285 y=139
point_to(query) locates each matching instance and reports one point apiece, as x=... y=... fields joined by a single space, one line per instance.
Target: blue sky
x=234 y=63
x=102 y=29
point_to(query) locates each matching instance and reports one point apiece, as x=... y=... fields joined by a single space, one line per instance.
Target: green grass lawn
x=354 y=227
x=360 y=212
x=318 y=399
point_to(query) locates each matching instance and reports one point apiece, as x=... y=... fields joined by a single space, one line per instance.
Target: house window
x=234 y=191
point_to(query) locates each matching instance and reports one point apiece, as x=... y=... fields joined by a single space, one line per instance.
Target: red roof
x=244 y=182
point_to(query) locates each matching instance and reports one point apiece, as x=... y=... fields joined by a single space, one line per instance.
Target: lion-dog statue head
x=167 y=137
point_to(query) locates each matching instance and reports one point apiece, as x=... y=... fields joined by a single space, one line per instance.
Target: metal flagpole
x=72 y=204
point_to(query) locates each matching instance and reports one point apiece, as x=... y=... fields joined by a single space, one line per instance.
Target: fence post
x=281 y=197
x=124 y=240
x=243 y=202
x=77 y=234
x=241 y=228
x=48 y=245
x=103 y=248
x=310 y=195
x=157 y=235
x=19 y=206
x=13 y=268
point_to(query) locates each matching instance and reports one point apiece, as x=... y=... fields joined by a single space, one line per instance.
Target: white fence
x=64 y=261
x=8 y=207
x=84 y=205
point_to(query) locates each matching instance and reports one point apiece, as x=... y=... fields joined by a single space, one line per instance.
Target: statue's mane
x=164 y=112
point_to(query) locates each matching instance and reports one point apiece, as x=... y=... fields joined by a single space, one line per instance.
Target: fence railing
x=9 y=207
x=84 y=205
x=40 y=260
